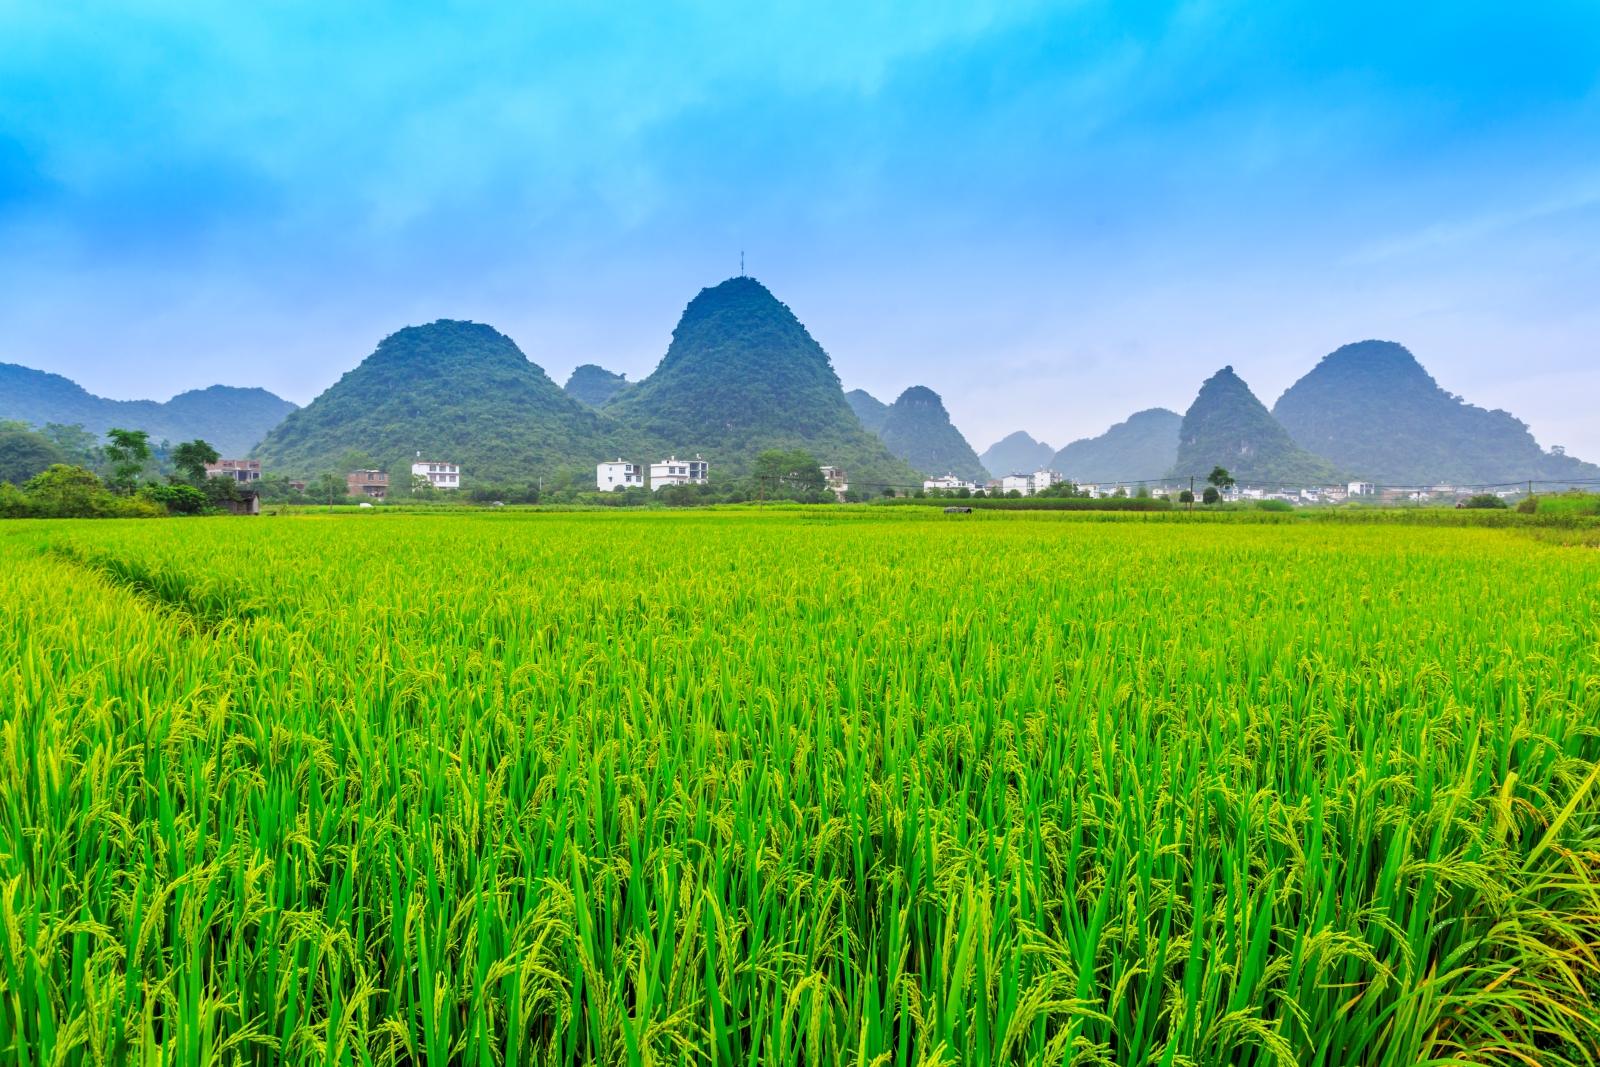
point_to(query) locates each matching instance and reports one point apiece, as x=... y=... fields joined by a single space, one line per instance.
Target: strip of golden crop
x=737 y=789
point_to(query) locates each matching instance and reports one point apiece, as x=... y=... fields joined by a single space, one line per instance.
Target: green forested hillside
x=1372 y=408
x=868 y=408
x=460 y=392
x=918 y=430
x=594 y=385
x=1141 y=449
x=1018 y=453
x=742 y=375
x=1227 y=426
x=232 y=420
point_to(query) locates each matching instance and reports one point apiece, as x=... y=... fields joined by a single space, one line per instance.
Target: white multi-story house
x=1029 y=484
x=619 y=475
x=949 y=481
x=1361 y=489
x=836 y=479
x=677 y=471
x=439 y=475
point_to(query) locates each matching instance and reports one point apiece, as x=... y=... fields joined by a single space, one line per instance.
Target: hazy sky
x=1052 y=214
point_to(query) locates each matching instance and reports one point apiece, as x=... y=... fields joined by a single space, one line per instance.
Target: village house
x=240 y=470
x=439 y=475
x=367 y=483
x=836 y=480
x=1029 y=484
x=948 y=482
x=677 y=471
x=609 y=477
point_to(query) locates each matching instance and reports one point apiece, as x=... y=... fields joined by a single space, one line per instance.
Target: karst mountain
x=743 y=375
x=1371 y=408
x=456 y=391
x=1227 y=426
x=918 y=430
x=594 y=385
x=1016 y=453
x=1141 y=449
x=868 y=408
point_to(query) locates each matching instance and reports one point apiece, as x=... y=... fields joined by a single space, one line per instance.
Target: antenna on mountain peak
x=741 y=263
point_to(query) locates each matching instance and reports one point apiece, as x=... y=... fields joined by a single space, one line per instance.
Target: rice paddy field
x=845 y=789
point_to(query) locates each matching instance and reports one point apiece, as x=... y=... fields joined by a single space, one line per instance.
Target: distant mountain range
x=742 y=375
x=231 y=420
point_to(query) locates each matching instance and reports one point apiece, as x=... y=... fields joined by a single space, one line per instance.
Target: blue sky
x=1052 y=214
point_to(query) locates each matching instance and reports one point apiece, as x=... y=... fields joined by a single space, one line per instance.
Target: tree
x=1211 y=496
x=888 y=490
x=1220 y=478
x=1186 y=497
x=795 y=470
x=328 y=486
x=24 y=453
x=191 y=458
x=128 y=451
x=76 y=443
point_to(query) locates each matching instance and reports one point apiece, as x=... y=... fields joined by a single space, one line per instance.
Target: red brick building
x=367 y=483
x=240 y=470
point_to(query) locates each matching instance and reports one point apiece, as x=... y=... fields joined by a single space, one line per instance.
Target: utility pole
x=330 y=494
x=1191 y=493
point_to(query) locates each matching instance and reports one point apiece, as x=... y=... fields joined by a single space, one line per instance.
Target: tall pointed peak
x=743 y=374
x=1228 y=426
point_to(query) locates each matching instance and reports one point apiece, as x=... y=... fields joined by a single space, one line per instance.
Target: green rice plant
x=732 y=788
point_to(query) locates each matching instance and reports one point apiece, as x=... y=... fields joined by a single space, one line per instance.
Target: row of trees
x=72 y=490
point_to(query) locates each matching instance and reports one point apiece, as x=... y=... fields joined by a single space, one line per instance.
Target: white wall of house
x=609 y=477
x=675 y=471
x=439 y=475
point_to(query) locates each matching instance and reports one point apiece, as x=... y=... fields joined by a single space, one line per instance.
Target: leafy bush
x=178 y=498
x=67 y=492
x=1484 y=500
x=1274 y=505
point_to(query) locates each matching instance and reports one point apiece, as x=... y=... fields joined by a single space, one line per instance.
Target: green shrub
x=67 y=492
x=1485 y=500
x=178 y=498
